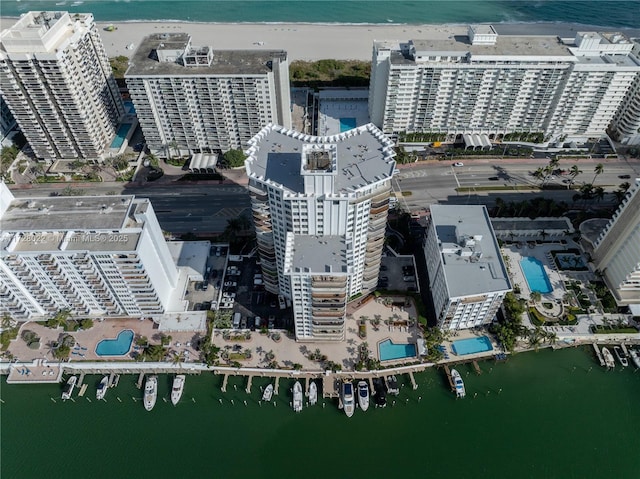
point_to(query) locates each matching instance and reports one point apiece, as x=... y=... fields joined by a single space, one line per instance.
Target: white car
x=230 y=283
x=458 y=163
x=228 y=295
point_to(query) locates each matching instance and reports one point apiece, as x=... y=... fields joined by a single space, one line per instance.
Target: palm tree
x=573 y=172
x=598 y=171
x=535 y=296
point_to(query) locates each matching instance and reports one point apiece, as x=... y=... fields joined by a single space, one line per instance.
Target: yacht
x=392 y=385
x=608 y=358
x=313 y=393
x=363 y=395
x=68 y=388
x=459 y=384
x=177 y=388
x=297 y=397
x=150 y=392
x=348 y=401
x=621 y=357
x=268 y=393
x=102 y=388
x=380 y=393
x=635 y=357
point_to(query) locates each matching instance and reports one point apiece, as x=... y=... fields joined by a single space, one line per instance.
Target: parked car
x=205 y=285
x=230 y=283
x=272 y=321
x=624 y=177
x=458 y=163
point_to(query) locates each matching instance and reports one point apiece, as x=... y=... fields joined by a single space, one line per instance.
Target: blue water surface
x=389 y=350
x=116 y=347
x=536 y=275
x=472 y=345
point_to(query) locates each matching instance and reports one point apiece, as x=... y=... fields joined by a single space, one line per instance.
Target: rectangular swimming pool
x=388 y=350
x=121 y=135
x=347 y=124
x=535 y=275
x=472 y=345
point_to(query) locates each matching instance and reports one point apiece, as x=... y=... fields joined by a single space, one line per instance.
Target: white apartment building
x=57 y=81
x=475 y=81
x=97 y=256
x=320 y=207
x=616 y=252
x=467 y=276
x=199 y=100
x=625 y=126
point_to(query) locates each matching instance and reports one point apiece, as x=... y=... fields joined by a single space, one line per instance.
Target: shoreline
x=307 y=41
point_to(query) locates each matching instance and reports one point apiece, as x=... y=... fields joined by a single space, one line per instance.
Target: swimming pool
x=471 y=345
x=347 y=124
x=535 y=275
x=116 y=347
x=389 y=350
x=121 y=135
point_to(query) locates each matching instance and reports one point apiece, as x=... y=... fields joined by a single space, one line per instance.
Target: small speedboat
x=268 y=393
x=363 y=395
x=458 y=383
x=313 y=393
x=68 y=388
x=102 y=388
x=177 y=388
x=635 y=357
x=150 y=392
x=392 y=385
x=348 y=399
x=380 y=393
x=297 y=397
x=608 y=358
x=621 y=357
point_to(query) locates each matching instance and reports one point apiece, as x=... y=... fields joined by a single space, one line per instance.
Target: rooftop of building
x=225 y=62
x=191 y=255
x=361 y=156
x=470 y=252
x=64 y=213
x=318 y=254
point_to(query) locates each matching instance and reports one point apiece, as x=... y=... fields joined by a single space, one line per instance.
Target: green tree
x=234 y=158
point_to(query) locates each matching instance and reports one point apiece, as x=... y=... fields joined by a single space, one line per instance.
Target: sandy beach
x=303 y=41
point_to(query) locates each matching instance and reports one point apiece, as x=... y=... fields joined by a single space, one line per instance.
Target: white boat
x=608 y=358
x=150 y=392
x=268 y=393
x=348 y=399
x=313 y=393
x=177 y=388
x=620 y=356
x=635 y=357
x=68 y=388
x=392 y=385
x=297 y=397
x=102 y=388
x=458 y=383
x=363 y=395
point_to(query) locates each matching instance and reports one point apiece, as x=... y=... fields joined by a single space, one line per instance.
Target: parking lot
x=202 y=295
x=398 y=273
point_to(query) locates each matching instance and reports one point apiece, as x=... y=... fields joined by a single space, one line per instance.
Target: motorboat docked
x=348 y=399
x=380 y=393
x=177 y=388
x=267 y=393
x=297 y=397
x=608 y=358
x=458 y=383
x=363 y=395
x=68 y=388
x=150 y=392
x=313 y=393
x=392 y=385
x=635 y=357
x=621 y=357
x=102 y=388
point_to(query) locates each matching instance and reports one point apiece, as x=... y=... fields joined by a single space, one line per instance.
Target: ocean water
x=592 y=12
x=544 y=415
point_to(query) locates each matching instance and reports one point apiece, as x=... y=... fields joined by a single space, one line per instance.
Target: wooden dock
x=249 y=381
x=224 y=383
x=83 y=389
x=449 y=377
x=276 y=387
x=414 y=385
x=140 y=379
x=81 y=379
x=598 y=354
x=477 y=368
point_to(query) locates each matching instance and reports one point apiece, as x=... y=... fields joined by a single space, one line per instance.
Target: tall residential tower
x=57 y=81
x=320 y=207
x=198 y=100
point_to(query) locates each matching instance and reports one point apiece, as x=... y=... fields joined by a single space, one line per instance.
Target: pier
x=476 y=366
x=414 y=384
x=276 y=386
x=225 y=380
x=140 y=379
x=80 y=379
x=83 y=389
x=449 y=377
x=249 y=381
x=598 y=354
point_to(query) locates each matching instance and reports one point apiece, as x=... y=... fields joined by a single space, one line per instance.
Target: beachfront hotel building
x=467 y=276
x=56 y=78
x=320 y=207
x=193 y=99
x=96 y=256
x=474 y=81
x=625 y=127
x=616 y=253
